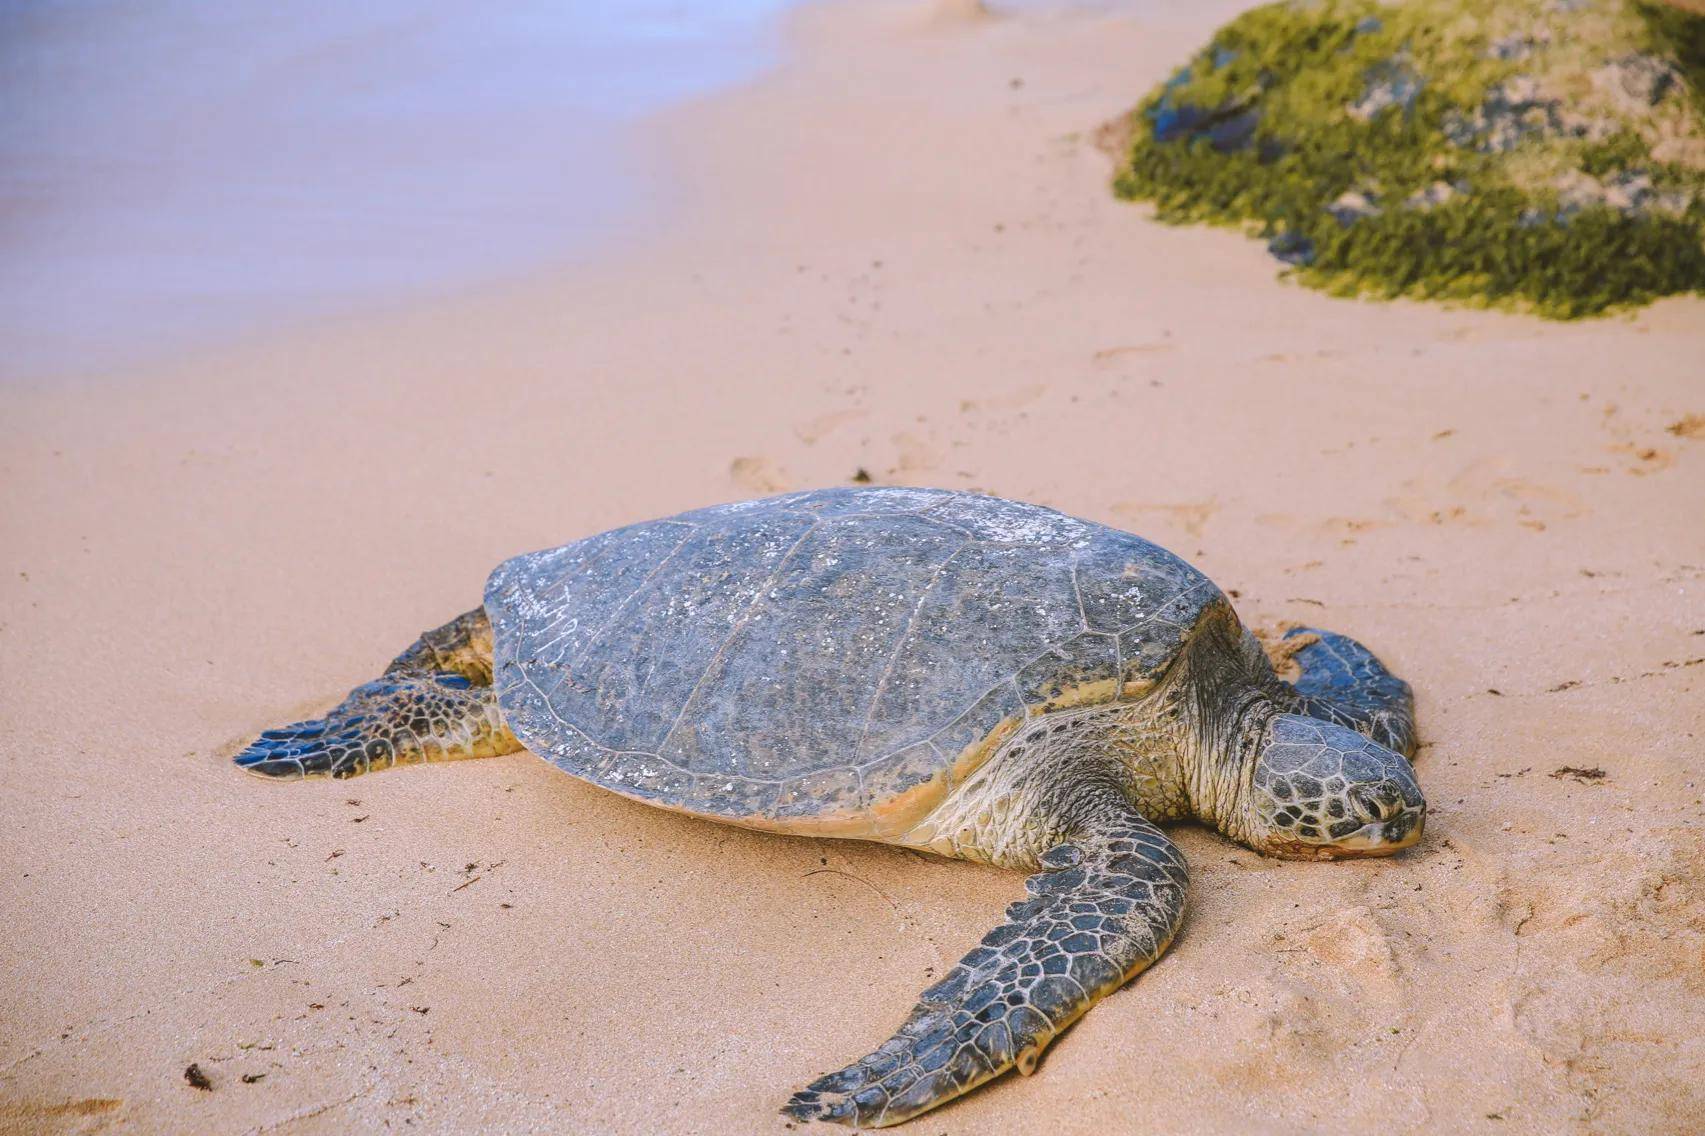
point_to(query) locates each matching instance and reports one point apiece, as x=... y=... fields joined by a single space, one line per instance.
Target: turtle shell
x=830 y=662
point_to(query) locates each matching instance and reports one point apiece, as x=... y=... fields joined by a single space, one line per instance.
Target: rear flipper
x=1105 y=905
x=431 y=705
x=1342 y=682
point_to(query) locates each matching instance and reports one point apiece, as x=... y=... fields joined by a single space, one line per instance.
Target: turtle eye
x=1370 y=804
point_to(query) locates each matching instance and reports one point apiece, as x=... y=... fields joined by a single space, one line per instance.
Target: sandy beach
x=897 y=253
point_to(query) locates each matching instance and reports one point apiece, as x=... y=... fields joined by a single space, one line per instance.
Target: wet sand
x=173 y=175
x=896 y=254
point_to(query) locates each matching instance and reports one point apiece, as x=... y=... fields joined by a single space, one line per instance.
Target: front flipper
x=401 y=719
x=1342 y=682
x=1104 y=906
x=435 y=702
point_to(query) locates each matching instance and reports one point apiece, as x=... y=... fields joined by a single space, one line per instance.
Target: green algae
x=1523 y=154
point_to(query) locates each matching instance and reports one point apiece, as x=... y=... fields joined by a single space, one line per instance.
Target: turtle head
x=1321 y=792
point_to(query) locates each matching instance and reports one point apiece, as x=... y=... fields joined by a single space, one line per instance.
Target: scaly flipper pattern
x=1342 y=682
x=1105 y=905
x=434 y=703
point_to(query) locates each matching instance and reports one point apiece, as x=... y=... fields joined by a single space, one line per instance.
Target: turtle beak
x=1383 y=837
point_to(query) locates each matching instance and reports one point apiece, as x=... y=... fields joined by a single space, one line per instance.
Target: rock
x=1589 y=127
x=1391 y=84
x=1637 y=82
x=1519 y=91
x=1170 y=123
x=1229 y=127
x=1350 y=206
x=1674 y=202
x=1513 y=111
x=1432 y=196
x=1577 y=191
x=1629 y=192
x=1520 y=45
x=1571 y=145
x=1292 y=248
x=1229 y=135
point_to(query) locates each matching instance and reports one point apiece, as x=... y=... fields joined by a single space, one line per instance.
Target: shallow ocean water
x=180 y=173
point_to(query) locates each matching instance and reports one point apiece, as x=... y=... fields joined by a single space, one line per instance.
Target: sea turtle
x=970 y=676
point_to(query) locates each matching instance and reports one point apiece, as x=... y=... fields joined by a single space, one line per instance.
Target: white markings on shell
x=796 y=689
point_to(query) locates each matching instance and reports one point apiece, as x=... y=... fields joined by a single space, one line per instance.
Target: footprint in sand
x=759 y=475
x=1015 y=400
x=1283 y=1024
x=1350 y=526
x=825 y=424
x=1691 y=426
x=1642 y=457
x=1645 y=459
x=1189 y=517
x=1483 y=493
x=1632 y=909
x=1354 y=949
x=1345 y=528
x=1115 y=354
x=32 y=1116
x=915 y=454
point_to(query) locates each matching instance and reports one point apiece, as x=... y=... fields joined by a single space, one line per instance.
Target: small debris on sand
x=1692 y=426
x=1577 y=773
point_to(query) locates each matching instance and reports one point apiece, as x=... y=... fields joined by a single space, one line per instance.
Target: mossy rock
x=1539 y=154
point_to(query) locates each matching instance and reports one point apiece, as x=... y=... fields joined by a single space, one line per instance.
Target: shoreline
x=212 y=184
x=1493 y=503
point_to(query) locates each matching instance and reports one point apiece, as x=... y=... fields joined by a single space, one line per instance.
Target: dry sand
x=898 y=253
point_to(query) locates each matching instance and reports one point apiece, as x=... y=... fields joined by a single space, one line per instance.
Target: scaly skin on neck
x=1224 y=764
x=1036 y=792
x=1185 y=750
